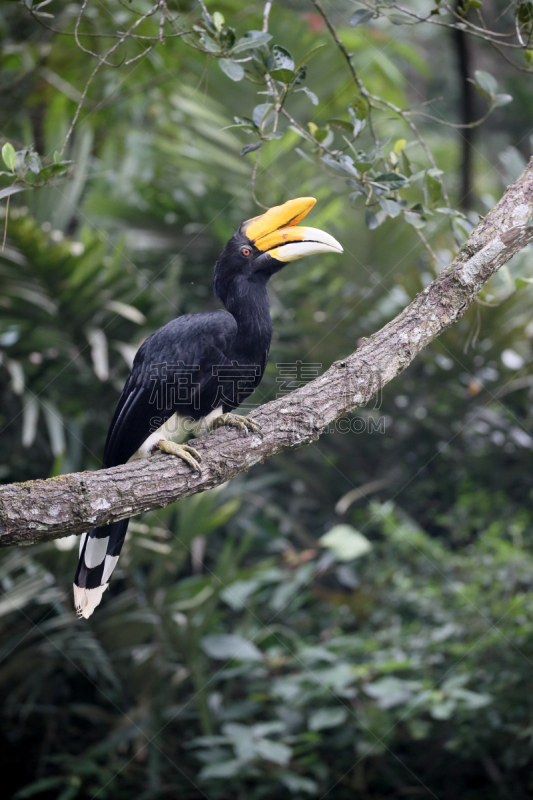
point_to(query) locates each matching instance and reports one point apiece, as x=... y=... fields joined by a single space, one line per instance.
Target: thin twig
x=204 y=9
x=163 y=7
x=254 y=175
x=359 y=83
x=271 y=83
x=426 y=245
x=76 y=34
x=305 y=134
x=429 y=155
x=115 y=35
x=471 y=29
x=377 y=100
x=456 y=125
x=141 y=55
x=266 y=14
x=97 y=68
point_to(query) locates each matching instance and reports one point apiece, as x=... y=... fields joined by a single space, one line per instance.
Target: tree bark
x=48 y=509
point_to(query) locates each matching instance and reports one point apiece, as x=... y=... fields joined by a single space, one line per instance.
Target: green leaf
x=126 y=310
x=486 y=82
x=303 y=155
x=320 y=134
x=209 y=44
x=238 y=594
x=344 y=541
x=371 y=220
x=444 y=710
x=218 y=20
x=340 y=123
x=277 y=752
x=231 y=69
x=434 y=190
x=227 y=38
x=360 y=16
x=398 y=19
x=260 y=114
x=283 y=75
x=297 y=783
x=344 y=164
x=9 y=156
x=360 y=107
x=249 y=148
x=327 y=718
x=391 y=691
x=358 y=189
x=406 y=164
x=39 y=786
x=227 y=769
x=503 y=100
x=399 y=145
x=274 y=135
x=521 y=283
x=357 y=123
x=390 y=207
x=452 y=212
x=362 y=165
x=244 y=122
x=414 y=219
x=225 y=646
x=9 y=190
x=280 y=60
x=311 y=95
x=471 y=700
x=393 y=179
x=525 y=14
x=309 y=55
x=53 y=169
x=34 y=163
x=251 y=40
x=300 y=75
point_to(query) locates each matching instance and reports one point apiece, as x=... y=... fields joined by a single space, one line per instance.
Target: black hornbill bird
x=185 y=375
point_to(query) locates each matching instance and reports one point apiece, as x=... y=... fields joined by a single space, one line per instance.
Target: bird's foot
x=183 y=451
x=235 y=421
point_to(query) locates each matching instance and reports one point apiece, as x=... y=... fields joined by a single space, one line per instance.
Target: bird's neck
x=248 y=303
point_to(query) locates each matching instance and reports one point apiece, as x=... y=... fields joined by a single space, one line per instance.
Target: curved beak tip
x=277 y=232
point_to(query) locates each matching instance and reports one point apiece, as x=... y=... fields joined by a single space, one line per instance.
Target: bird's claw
x=183 y=451
x=234 y=421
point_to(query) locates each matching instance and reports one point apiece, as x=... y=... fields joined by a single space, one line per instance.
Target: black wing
x=172 y=371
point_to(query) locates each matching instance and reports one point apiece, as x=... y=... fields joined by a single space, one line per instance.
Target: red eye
x=245 y=251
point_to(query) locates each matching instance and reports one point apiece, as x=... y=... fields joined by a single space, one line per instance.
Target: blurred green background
x=237 y=654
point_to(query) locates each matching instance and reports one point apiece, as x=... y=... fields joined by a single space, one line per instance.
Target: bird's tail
x=99 y=552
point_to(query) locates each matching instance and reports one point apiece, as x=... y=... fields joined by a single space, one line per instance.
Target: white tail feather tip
x=86 y=600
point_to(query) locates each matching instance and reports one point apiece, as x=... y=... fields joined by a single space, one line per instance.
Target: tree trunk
x=462 y=46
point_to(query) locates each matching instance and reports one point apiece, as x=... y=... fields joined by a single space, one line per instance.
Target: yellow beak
x=275 y=232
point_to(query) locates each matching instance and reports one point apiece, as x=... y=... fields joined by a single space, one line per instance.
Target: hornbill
x=191 y=373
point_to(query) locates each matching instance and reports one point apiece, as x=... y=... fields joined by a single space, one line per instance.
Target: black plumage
x=198 y=366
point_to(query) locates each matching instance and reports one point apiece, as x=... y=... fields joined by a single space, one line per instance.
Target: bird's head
x=264 y=244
